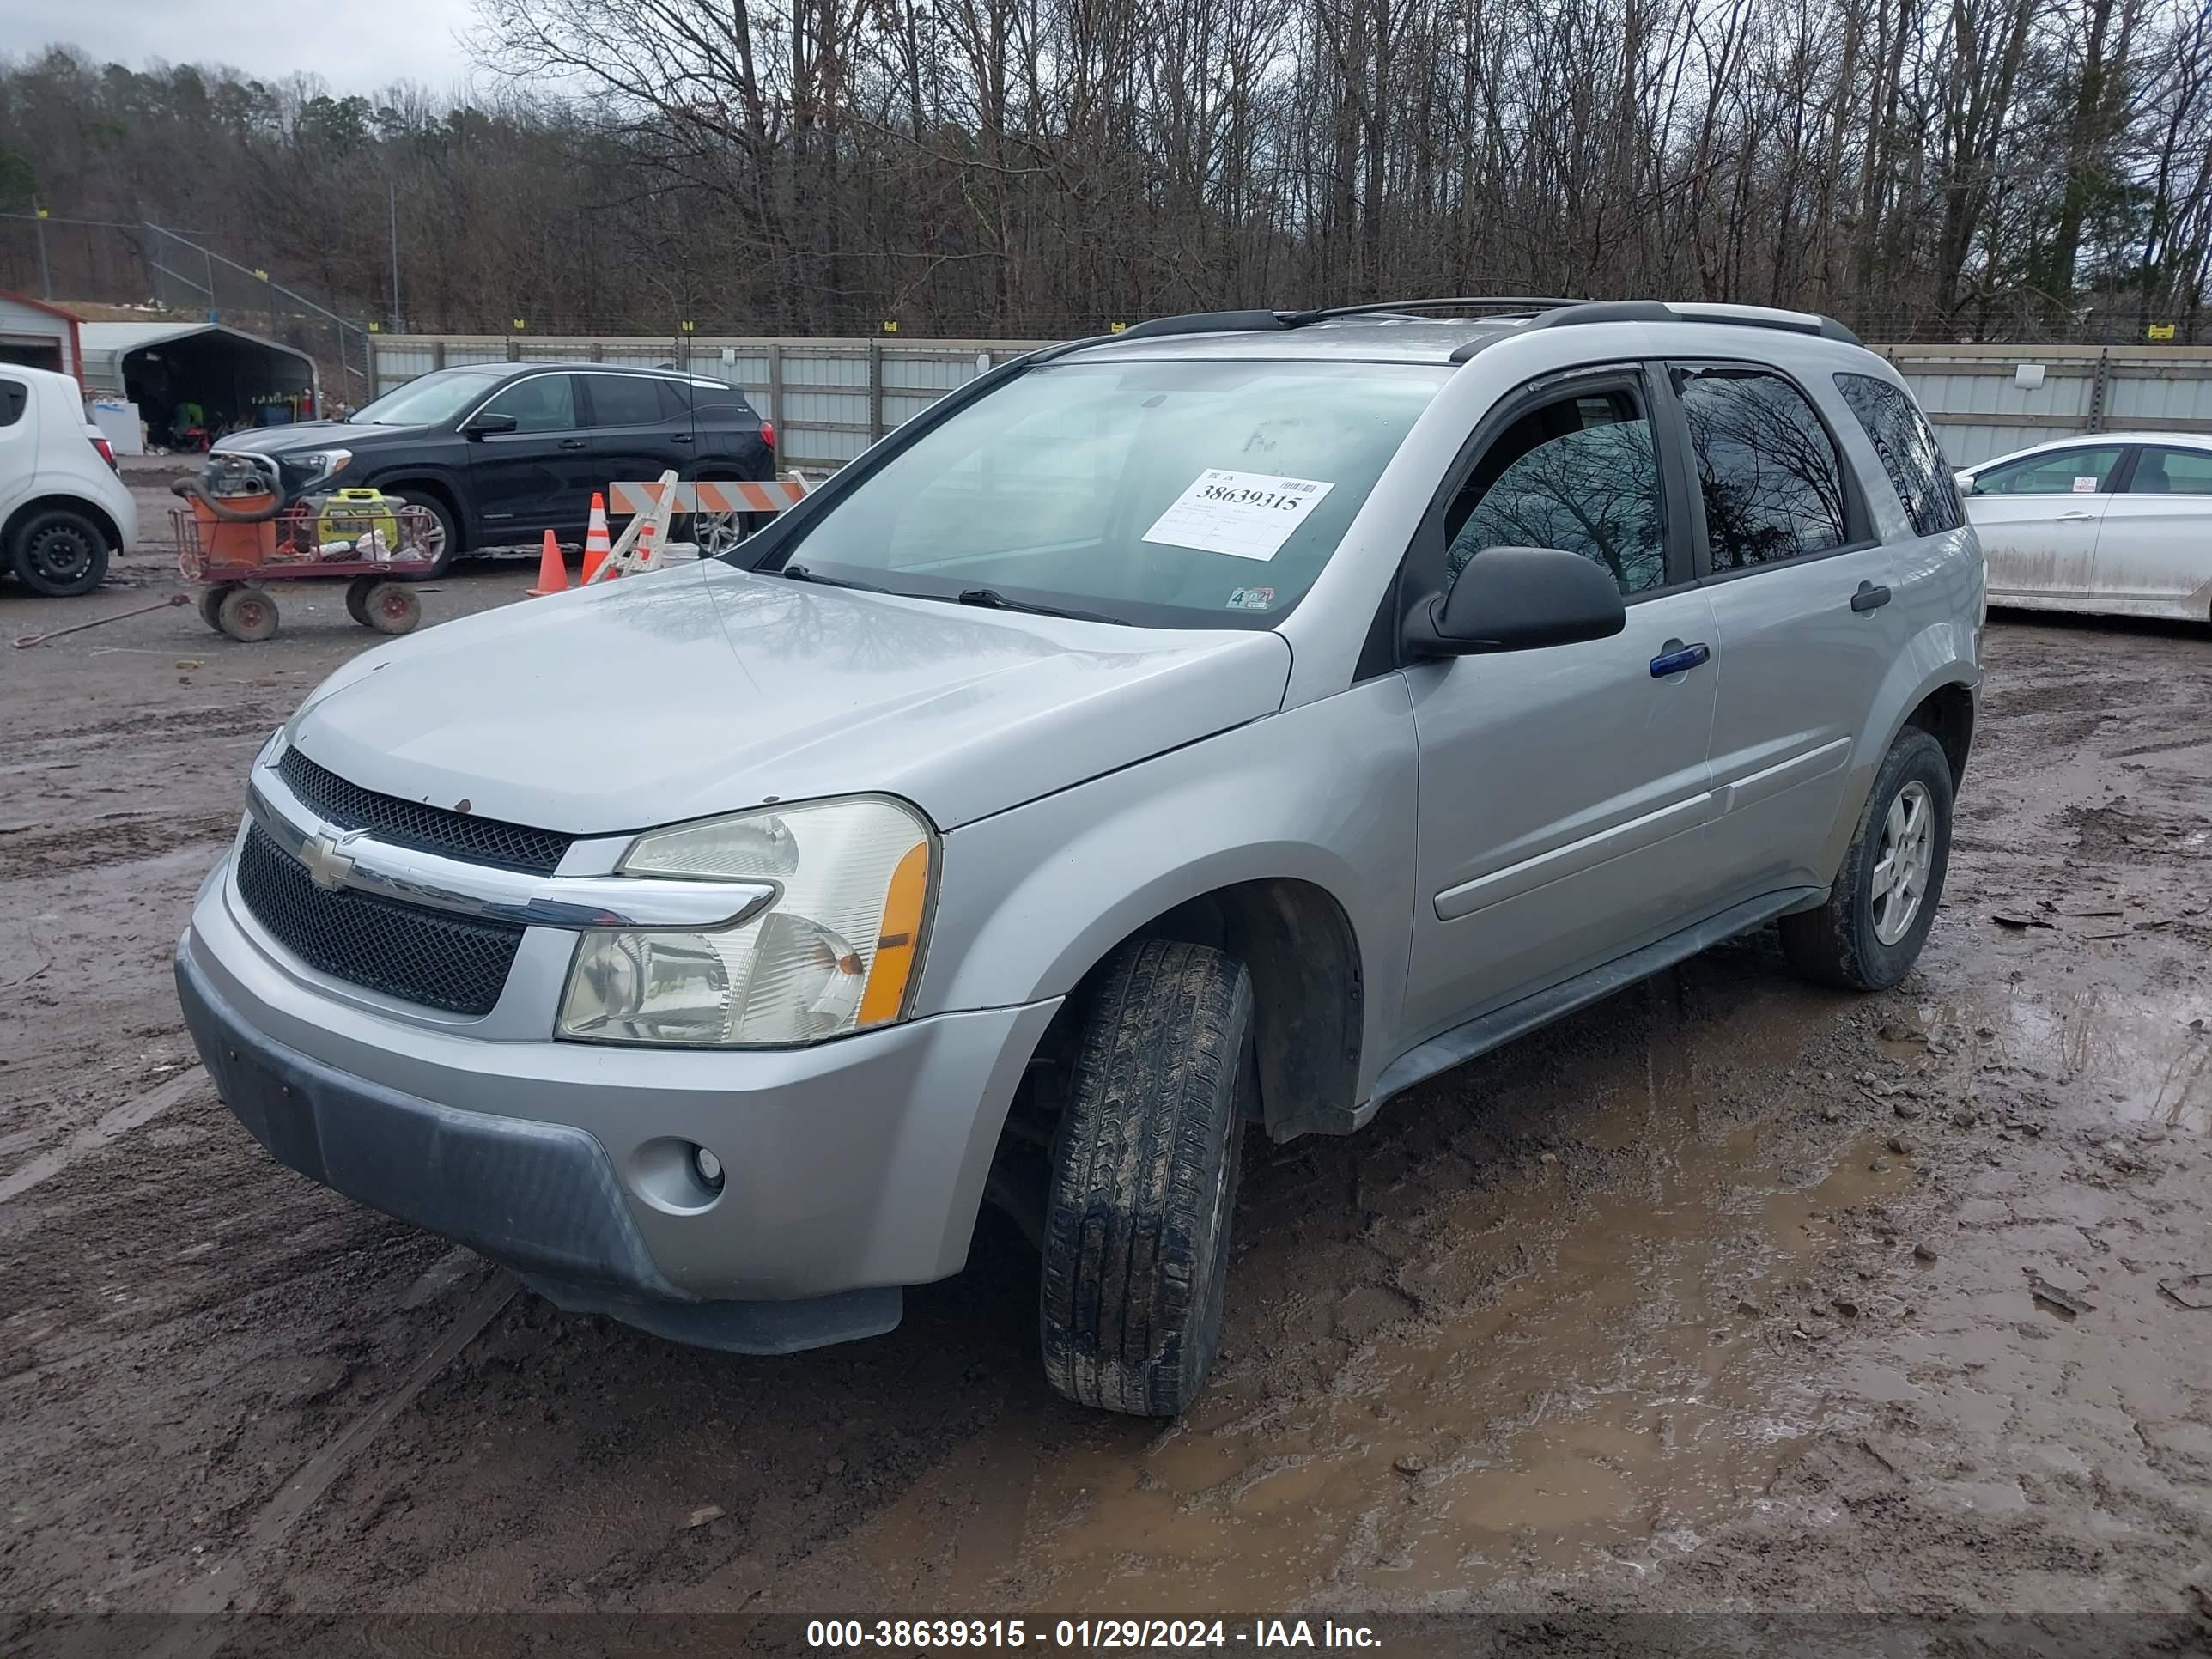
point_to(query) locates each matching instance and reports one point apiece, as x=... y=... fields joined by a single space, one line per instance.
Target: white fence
x=831 y=399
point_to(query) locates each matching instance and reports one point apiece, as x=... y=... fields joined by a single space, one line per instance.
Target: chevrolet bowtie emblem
x=329 y=860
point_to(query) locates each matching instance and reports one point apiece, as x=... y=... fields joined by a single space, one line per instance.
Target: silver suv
x=1235 y=722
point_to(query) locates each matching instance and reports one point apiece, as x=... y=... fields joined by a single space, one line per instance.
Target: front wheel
x=1868 y=934
x=59 y=552
x=1144 y=1179
x=441 y=541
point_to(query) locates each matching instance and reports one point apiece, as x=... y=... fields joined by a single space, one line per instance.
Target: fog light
x=707 y=1167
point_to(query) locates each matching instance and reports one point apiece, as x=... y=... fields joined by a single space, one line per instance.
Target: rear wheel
x=389 y=608
x=357 y=593
x=210 y=603
x=716 y=533
x=1868 y=934
x=60 y=552
x=442 y=541
x=248 y=614
x=1145 y=1168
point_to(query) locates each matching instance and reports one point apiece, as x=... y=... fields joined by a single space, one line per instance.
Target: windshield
x=1179 y=495
x=425 y=402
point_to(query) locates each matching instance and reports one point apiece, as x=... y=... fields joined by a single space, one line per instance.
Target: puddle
x=1635 y=1382
x=1456 y=1356
x=2134 y=1052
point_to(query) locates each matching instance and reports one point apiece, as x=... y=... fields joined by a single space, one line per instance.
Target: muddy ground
x=1727 y=1294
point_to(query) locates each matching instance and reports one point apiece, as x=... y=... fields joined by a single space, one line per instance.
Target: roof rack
x=1653 y=311
x=1543 y=312
x=1509 y=303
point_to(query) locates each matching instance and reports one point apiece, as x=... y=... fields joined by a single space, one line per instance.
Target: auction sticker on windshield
x=1247 y=515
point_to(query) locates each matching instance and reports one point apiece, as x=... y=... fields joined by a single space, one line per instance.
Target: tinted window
x=1909 y=451
x=1772 y=484
x=2065 y=473
x=2162 y=472
x=13 y=395
x=544 y=403
x=625 y=400
x=1581 y=474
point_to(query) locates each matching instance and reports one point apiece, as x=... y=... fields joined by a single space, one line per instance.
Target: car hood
x=311 y=434
x=706 y=689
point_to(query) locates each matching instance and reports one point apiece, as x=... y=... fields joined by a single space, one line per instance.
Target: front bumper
x=850 y=1168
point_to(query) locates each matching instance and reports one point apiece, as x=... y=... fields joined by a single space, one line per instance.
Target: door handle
x=1679 y=660
x=679 y=437
x=2076 y=518
x=1869 y=598
x=574 y=443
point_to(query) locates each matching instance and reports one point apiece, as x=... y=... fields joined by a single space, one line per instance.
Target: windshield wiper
x=990 y=598
x=800 y=573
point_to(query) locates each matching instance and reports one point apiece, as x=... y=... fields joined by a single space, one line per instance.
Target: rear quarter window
x=14 y=395
x=1910 y=454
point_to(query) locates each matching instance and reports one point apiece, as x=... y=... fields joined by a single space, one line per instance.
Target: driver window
x=1580 y=473
x=544 y=403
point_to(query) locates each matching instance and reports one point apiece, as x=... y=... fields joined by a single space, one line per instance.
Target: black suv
x=502 y=452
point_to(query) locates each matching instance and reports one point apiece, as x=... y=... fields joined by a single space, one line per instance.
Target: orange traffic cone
x=648 y=547
x=597 y=545
x=552 y=574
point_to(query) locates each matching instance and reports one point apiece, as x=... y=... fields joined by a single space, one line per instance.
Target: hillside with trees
x=1926 y=169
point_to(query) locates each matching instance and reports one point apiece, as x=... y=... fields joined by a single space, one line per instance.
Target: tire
x=209 y=604
x=357 y=594
x=1144 y=1180
x=389 y=607
x=449 y=544
x=248 y=614
x=1842 y=942
x=716 y=533
x=59 y=552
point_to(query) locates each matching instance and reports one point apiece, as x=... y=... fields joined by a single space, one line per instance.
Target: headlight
x=834 y=953
x=316 y=464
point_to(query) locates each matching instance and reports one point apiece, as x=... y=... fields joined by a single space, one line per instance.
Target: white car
x=2119 y=523
x=64 y=509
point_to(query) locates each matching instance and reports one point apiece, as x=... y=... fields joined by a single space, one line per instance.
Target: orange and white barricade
x=644 y=542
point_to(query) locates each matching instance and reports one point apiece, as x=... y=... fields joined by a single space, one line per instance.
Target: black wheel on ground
x=1868 y=934
x=445 y=540
x=248 y=614
x=210 y=603
x=1144 y=1179
x=59 y=552
x=356 y=598
x=390 y=607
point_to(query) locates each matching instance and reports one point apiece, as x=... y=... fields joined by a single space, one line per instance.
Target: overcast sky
x=357 y=46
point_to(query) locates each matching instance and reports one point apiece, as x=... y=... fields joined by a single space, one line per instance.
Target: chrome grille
x=452 y=963
x=411 y=823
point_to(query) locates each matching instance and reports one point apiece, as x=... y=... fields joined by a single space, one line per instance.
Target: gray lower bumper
x=541 y=1198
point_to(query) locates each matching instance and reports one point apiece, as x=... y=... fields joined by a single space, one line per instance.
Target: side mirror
x=1518 y=599
x=479 y=424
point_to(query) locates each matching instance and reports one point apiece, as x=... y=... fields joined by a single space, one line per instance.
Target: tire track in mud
x=112 y=841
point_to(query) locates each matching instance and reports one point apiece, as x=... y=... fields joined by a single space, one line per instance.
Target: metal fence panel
x=831 y=398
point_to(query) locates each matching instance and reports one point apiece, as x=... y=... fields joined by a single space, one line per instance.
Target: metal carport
x=235 y=379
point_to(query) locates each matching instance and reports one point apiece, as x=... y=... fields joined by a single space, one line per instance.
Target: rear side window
x=1909 y=451
x=2163 y=471
x=14 y=396
x=624 y=400
x=1773 y=484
